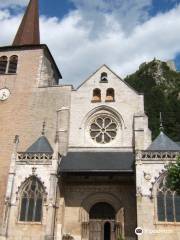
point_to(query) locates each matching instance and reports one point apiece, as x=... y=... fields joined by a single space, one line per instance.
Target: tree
x=173 y=176
x=161 y=88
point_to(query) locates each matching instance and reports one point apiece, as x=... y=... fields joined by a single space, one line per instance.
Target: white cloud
x=8 y=25
x=127 y=13
x=78 y=54
x=10 y=3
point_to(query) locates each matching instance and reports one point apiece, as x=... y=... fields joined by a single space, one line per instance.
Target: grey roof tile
x=163 y=143
x=42 y=145
x=97 y=162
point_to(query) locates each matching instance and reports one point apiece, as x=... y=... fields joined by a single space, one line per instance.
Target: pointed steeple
x=163 y=142
x=41 y=145
x=43 y=128
x=161 y=123
x=28 y=32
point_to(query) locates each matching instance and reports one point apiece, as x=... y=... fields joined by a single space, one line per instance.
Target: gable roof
x=104 y=65
x=163 y=143
x=41 y=145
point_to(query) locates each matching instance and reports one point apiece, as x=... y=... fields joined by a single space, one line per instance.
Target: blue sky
x=162 y=6
x=56 y=9
x=60 y=8
x=84 y=34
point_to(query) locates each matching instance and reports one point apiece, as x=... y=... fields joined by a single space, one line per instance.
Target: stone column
x=84 y=219
x=50 y=225
x=60 y=218
x=142 y=134
x=61 y=148
x=62 y=129
x=120 y=223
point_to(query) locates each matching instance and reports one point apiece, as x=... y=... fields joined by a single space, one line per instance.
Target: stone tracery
x=103 y=129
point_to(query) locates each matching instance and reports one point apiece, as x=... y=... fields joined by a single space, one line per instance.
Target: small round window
x=103 y=129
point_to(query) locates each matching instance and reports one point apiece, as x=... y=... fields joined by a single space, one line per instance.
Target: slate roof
x=97 y=162
x=42 y=145
x=163 y=143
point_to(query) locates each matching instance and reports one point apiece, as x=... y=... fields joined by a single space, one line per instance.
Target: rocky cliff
x=160 y=83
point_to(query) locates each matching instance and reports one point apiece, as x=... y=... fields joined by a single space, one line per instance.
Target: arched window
x=104 y=78
x=168 y=203
x=31 y=201
x=13 y=64
x=3 y=64
x=110 y=95
x=96 y=95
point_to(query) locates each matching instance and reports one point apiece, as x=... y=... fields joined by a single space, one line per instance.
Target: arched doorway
x=107 y=231
x=102 y=222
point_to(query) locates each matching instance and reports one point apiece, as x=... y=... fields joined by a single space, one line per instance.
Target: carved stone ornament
x=147 y=176
x=67 y=236
x=139 y=191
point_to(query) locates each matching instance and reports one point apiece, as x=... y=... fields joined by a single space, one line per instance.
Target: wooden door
x=101 y=230
x=95 y=230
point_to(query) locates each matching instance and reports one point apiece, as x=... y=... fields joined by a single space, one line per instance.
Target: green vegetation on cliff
x=161 y=88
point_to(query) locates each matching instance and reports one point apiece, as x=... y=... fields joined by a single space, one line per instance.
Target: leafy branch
x=173 y=176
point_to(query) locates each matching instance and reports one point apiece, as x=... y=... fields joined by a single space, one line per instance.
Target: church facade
x=77 y=163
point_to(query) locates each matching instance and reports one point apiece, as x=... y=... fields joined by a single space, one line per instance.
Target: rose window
x=103 y=129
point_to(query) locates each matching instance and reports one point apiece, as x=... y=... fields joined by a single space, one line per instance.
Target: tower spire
x=28 y=32
x=161 y=123
x=43 y=128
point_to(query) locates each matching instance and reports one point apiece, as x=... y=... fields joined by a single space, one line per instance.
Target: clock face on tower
x=4 y=94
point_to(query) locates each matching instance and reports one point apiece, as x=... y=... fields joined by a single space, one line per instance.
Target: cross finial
x=161 y=122
x=43 y=128
x=16 y=142
x=16 y=139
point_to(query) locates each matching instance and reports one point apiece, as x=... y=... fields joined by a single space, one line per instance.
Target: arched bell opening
x=110 y=95
x=96 y=95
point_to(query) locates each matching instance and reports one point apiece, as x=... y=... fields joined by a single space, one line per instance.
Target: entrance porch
x=97 y=204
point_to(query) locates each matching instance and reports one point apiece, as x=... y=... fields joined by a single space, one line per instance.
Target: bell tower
x=29 y=92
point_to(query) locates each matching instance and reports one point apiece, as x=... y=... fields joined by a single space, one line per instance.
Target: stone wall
x=78 y=198
x=149 y=168
x=17 y=230
x=127 y=104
